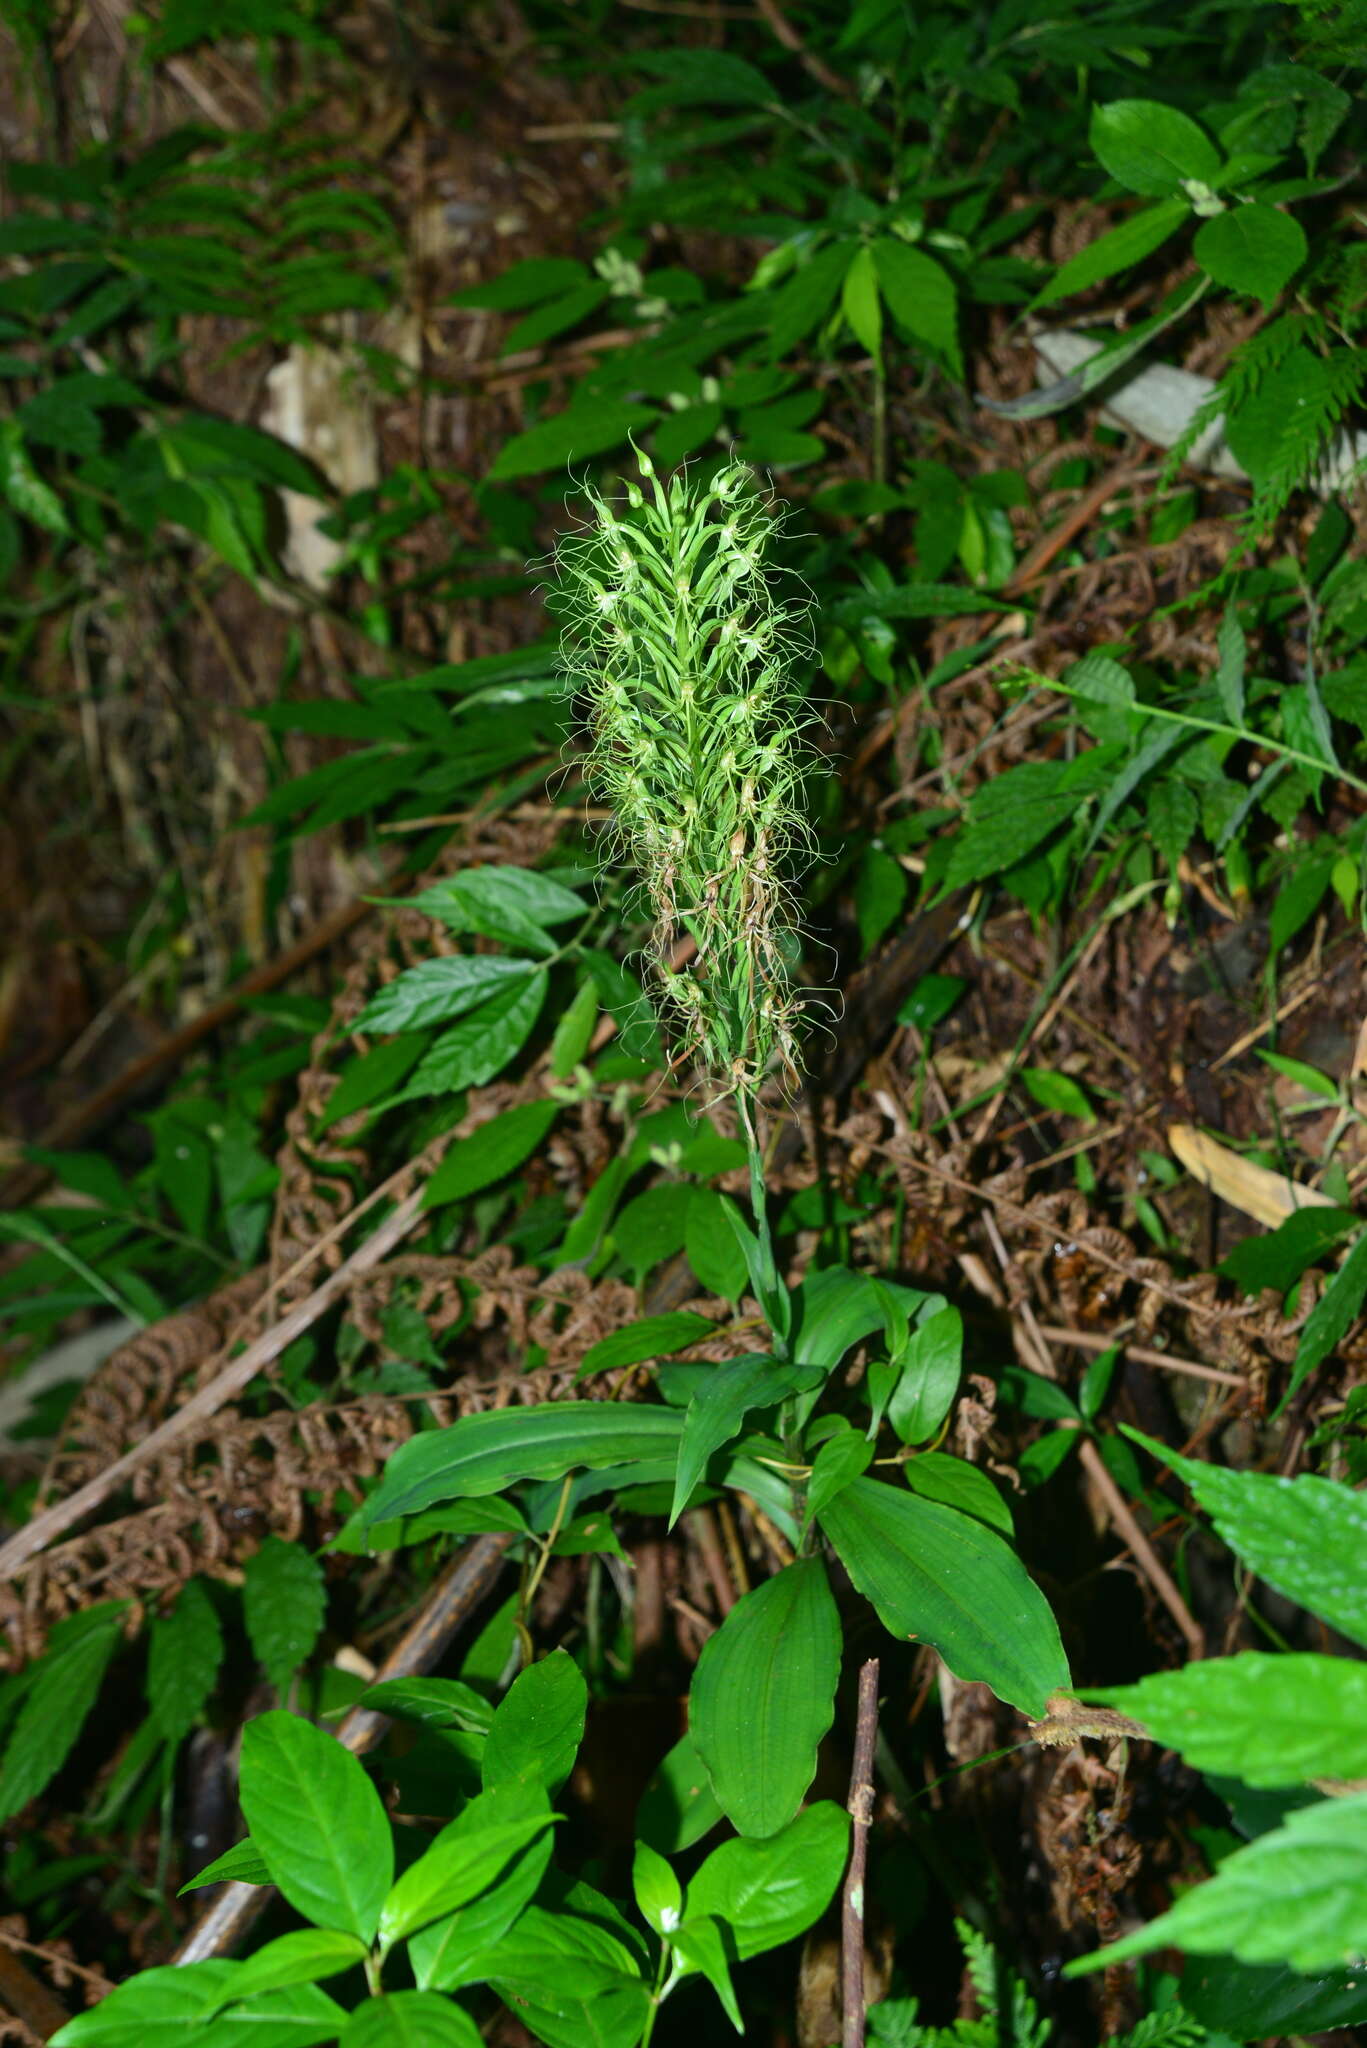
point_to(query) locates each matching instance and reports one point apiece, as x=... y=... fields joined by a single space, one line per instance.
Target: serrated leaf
x=529 y=283
x=60 y=1693
x=807 y=297
x=763 y=1695
x=482 y=1044
x=183 y=1660
x=1229 y=677
x=1307 y=1537
x=1297 y=1895
x=859 y=302
x=1266 y=1720
x=437 y=990
x=937 y=1576
x=319 y=1823
x=920 y=295
x=283 y=1601
x=1253 y=248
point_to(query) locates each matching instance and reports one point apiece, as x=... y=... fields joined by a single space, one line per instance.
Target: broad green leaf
x=60 y=1694
x=1297 y=1895
x=715 y=1413
x=920 y=295
x=699 y=1943
x=1250 y=2003
x=538 y=1727
x=446 y=1954
x=937 y=1576
x=1151 y=148
x=1118 y=249
x=507 y=903
x=1277 y=1258
x=466 y=1857
x=295 y=2016
x=319 y=1823
x=859 y=302
x=1305 y=1076
x=651 y=1227
x=842 y=1458
x=767 y=1892
x=183 y=1660
x=529 y=283
x=763 y=1695
x=1254 y=249
x=153 y=2009
x=283 y=1603
x=1267 y=1720
x=571 y=1979
x=935 y=1475
x=929 y=1369
x=1012 y=814
x=678 y=1806
x=242 y=1864
x=807 y=297
x=482 y=1044
x=410 y=2019
x=439 y=989
x=1333 y=1315
x=299 y=1958
x=489 y=1153
x=657 y=1891
x=557 y=316
x=650 y=1337
x=590 y=427
x=482 y=1454
x=431 y=1702
x=1307 y=1537
x=372 y=1075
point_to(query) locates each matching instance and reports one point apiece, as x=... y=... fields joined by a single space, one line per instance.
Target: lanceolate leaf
x=714 y=1415
x=466 y=1857
x=183 y=1660
x=318 y=1821
x=764 y=1695
x=1297 y=1895
x=284 y=1603
x=59 y=1697
x=1267 y=1720
x=302 y=1957
x=939 y=1577
x=484 y=1453
x=438 y=989
x=1307 y=1537
x=1332 y=1316
x=242 y=1864
x=494 y=1149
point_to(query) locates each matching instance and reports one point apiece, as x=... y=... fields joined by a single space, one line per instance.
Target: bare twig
x=852 y=2004
x=63 y=1514
x=453 y=1599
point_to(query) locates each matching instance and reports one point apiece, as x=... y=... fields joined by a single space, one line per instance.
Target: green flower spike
x=685 y=658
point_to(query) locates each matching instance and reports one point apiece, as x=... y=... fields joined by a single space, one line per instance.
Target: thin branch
x=63 y=1514
x=852 y=2004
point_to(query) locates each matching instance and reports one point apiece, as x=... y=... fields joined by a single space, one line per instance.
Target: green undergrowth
x=753 y=460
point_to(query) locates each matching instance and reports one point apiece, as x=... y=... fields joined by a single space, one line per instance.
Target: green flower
x=685 y=658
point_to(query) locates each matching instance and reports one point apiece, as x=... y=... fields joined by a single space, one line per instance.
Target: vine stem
x=852 y=2002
